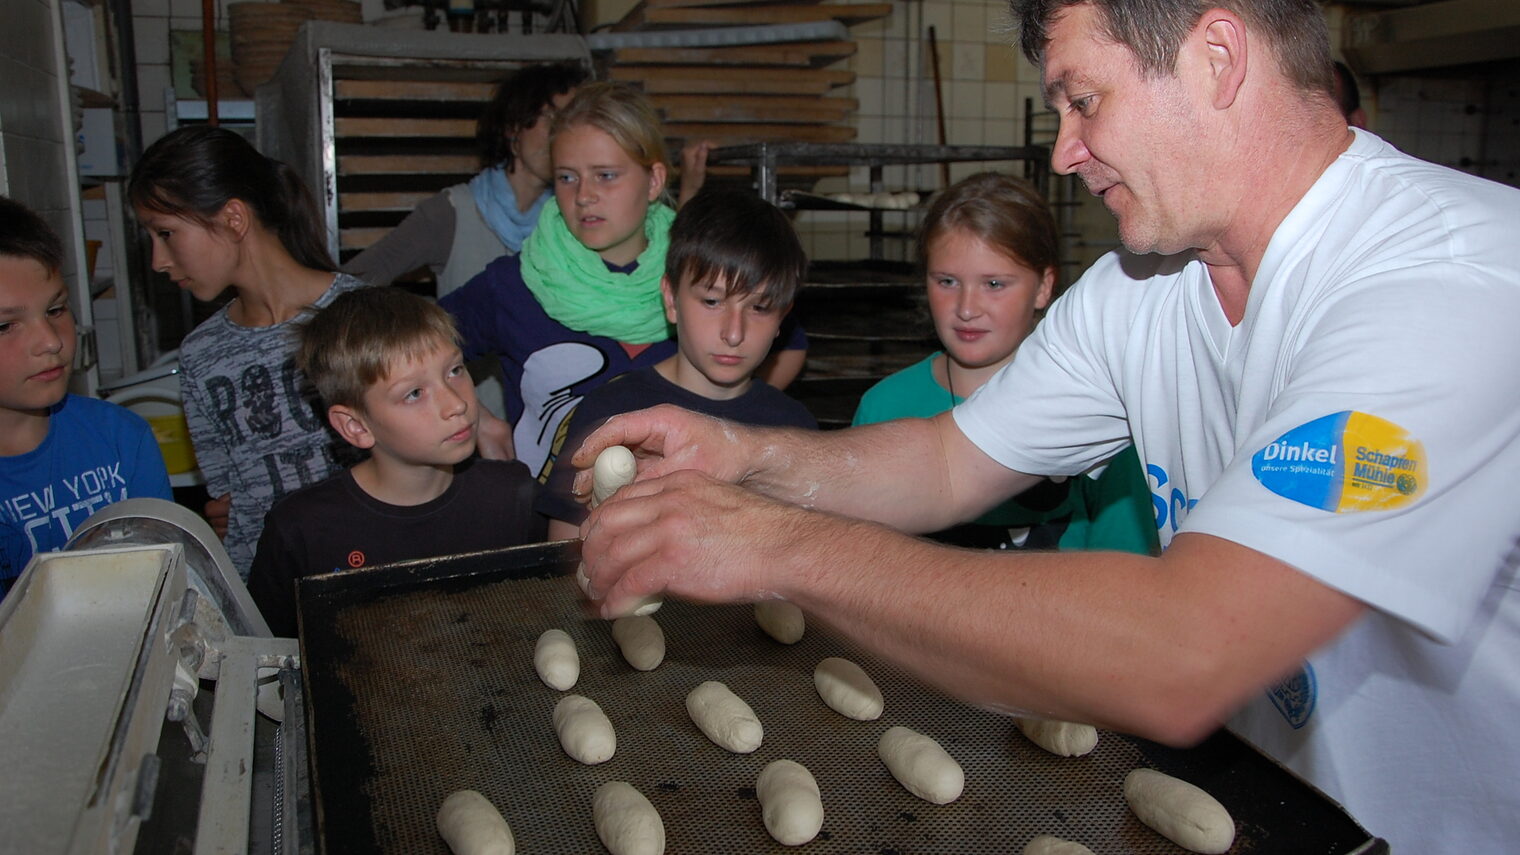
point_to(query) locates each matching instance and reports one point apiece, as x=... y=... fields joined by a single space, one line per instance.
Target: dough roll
x=615 y=468
x=1048 y=845
x=641 y=640
x=848 y=689
x=921 y=765
x=626 y=821
x=781 y=620
x=555 y=660
x=1062 y=738
x=584 y=730
x=471 y=825
x=790 y=804
x=1179 y=811
x=724 y=717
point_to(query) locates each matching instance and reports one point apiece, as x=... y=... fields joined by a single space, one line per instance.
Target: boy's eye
x=943 y=281
x=456 y=370
x=995 y=283
x=412 y=395
x=761 y=308
x=607 y=176
x=58 y=310
x=5 y=327
x=565 y=178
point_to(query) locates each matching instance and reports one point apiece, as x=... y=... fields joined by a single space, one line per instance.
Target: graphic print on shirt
x=1344 y=462
x=1171 y=505
x=548 y=377
x=248 y=406
x=1295 y=696
x=62 y=505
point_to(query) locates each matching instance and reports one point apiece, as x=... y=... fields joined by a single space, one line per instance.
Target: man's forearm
x=842 y=472
x=1161 y=647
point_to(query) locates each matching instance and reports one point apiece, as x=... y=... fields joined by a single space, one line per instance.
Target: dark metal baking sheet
x=420 y=681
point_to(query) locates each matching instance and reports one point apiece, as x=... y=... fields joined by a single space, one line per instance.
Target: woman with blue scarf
x=459 y=231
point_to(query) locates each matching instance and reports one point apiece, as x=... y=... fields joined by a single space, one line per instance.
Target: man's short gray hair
x=1153 y=30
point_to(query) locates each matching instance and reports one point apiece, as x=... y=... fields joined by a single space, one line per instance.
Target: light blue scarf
x=498 y=207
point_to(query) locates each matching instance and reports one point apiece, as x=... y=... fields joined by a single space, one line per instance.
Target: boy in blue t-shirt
x=62 y=457
x=389 y=370
x=731 y=273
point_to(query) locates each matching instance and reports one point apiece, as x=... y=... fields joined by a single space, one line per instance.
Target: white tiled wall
x=33 y=162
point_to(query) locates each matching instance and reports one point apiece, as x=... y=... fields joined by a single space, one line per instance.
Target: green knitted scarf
x=575 y=287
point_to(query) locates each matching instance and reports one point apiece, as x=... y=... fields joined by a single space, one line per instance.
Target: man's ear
x=350 y=424
x=236 y=216
x=668 y=294
x=1225 y=43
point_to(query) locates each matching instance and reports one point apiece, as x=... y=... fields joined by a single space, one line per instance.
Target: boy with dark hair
x=62 y=456
x=388 y=367
x=731 y=274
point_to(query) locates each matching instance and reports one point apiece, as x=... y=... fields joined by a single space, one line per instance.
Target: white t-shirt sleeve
x=1055 y=409
x=1384 y=467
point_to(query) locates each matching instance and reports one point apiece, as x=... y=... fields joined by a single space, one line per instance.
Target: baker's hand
x=493 y=437
x=691 y=536
x=217 y=511
x=665 y=439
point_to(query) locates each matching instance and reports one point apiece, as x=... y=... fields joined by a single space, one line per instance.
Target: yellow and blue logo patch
x=1344 y=462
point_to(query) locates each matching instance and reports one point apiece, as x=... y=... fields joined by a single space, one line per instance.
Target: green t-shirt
x=1106 y=509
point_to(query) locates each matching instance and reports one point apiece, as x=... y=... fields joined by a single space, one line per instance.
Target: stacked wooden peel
x=262 y=32
x=746 y=93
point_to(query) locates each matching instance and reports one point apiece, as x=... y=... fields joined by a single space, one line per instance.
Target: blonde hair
x=357 y=340
x=621 y=112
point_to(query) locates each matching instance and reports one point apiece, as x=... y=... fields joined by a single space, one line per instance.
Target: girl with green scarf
x=581 y=303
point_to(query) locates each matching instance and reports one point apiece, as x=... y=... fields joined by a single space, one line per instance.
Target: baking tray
x=419 y=681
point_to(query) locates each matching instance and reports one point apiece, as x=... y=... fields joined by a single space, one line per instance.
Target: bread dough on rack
x=471 y=825
x=555 y=659
x=1179 y=811
x=641 y=640
x=1062 y=738
x=848 y=689
x=724 y=717
x=1048 y=845
x=584 y=730
x=626 y=821
x=790 y=804
x=781 y=620
x=921 y=765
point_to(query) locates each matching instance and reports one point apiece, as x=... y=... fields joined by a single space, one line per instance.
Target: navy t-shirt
x=761 y=404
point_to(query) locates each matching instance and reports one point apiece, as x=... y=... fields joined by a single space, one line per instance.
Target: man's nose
x=1070 y=151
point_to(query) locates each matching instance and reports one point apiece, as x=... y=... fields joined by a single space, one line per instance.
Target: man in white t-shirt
x=1300 y=342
